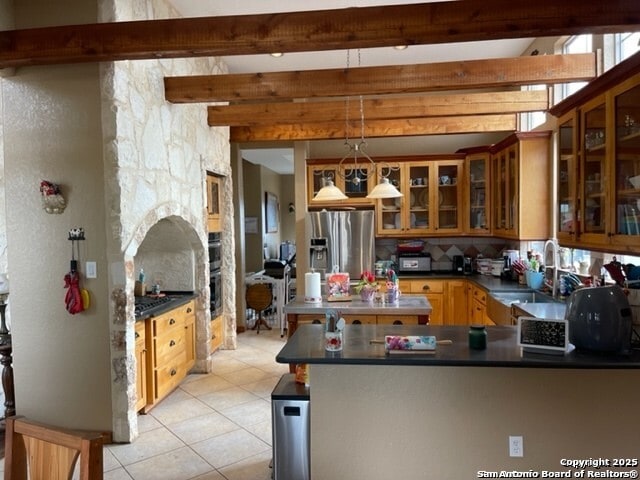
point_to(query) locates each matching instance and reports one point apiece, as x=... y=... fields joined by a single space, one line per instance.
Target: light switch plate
x=91 y=270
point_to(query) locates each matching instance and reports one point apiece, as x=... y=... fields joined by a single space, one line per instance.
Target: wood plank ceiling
x=399 y=100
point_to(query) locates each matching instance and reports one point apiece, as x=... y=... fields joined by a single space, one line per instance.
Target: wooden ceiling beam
x=471 y=74
x=379 y=108
x=377 y=128
x=349 y=28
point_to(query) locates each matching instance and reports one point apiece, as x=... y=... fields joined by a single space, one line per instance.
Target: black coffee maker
x=468 y=265
x=506 y=269
x=458 y=264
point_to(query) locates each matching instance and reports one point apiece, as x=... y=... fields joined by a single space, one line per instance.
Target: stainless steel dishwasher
x=290 y=430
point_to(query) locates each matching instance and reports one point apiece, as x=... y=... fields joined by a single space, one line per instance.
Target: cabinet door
x=355 y=180
x=419 y=219
x=392 y=218
x=456 y=297
x=499 y=172
x=216 y=334
x=436 y=317
x=477 y=218
x=592 y=215
x=213 y=203
x=448 y=196
x=141 y=365
x=360 y=319
x=625 y=178
x=567 y=179
x=190 y=342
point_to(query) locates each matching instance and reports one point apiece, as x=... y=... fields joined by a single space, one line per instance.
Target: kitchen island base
x=378 y=422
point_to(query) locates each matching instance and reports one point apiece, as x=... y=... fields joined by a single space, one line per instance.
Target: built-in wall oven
x=215 y=279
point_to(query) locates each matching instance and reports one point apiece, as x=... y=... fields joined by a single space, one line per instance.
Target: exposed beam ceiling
x=350 y=28
x=379 y=108
x=499 y=72
x=377 y=128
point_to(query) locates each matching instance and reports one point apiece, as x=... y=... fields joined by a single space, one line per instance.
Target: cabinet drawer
x=480 y=295
x=427 y=286
x=360 y=319
x=168 y=347
x=216 y=334
x=168 y=377
x=139 y=334
x=311 y=318
x=397 y=319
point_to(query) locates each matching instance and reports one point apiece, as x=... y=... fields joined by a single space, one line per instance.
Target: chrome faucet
x=553 y=244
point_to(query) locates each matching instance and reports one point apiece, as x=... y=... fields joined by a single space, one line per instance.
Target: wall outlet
x=91 y=271
x=516 y=446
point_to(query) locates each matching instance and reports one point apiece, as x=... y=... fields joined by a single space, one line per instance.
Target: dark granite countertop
x=177 y=299
x=406 y=305
x=307 y=346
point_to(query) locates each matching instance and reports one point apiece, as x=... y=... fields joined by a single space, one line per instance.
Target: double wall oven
x=215 y=282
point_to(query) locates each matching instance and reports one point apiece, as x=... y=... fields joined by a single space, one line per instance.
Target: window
x=576 y=44
x=626 y=44
x=531 y=120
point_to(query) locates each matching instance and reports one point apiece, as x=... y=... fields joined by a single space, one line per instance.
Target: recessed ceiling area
x=280 y=160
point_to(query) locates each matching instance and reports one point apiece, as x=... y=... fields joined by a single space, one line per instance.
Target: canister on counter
x=477 y=337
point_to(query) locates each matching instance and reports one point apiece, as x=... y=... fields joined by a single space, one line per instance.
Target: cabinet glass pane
x=627 y=162
x=448 y=196
x=391 y=207
x=319 y=177
x=594 y=170
x=419 y=196
x=566 y=178
x=356 y=181
x=214 y=206
x=499 y=192
x=477 y=194
x=512 y=200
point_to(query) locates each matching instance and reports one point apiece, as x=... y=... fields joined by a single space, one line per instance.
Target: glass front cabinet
x=625 y=171
x=477 y=215
x=431 y=201
x=354 y=180
x=567 y=179
x=599 y=198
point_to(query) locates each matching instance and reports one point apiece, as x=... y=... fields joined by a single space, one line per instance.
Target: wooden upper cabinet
x=599 y=153
x=520 y=171
x=477 y=194
x=214 y=223
x=355 y=180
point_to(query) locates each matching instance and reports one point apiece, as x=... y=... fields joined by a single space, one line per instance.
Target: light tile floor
x=213 y=427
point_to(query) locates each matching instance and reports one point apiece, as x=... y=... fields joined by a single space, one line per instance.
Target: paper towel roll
x=312 y=292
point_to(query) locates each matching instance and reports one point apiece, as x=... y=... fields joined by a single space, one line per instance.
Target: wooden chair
x=259 y=297
x=43 y=452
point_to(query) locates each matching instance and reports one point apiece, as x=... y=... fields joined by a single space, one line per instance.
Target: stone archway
x=123 y=385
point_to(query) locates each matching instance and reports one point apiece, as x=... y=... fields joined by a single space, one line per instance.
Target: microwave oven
x=416 y=263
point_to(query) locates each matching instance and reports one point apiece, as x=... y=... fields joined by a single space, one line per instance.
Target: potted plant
x=367 y=286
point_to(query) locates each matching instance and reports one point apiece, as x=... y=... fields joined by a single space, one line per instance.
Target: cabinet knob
x=189 y=310
x=172 y=343
x=398 y=322
x=137 y=335
x=426 y=287
x=173 y=372
x=214 y=336
x=172 y=321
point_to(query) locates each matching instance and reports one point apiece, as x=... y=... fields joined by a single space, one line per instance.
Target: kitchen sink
x=499 y=304
x=522 y=297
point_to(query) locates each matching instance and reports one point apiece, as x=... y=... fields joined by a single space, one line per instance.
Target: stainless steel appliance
x=290 y=430
x=215 y=278
x=468 y=265
x=318 y=255
x=600 y=320
x=414 y=263
x=350 y=240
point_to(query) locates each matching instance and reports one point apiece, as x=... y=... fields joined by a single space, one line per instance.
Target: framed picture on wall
x=271 y=205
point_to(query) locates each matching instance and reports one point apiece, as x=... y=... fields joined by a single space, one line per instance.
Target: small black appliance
x=458 y=264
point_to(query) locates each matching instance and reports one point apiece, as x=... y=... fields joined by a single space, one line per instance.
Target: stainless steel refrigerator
x=350 y=240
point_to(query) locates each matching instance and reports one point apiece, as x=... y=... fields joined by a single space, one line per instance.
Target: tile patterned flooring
x=213 y=427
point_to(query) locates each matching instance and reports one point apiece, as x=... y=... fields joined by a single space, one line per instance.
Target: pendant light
x=356 y=174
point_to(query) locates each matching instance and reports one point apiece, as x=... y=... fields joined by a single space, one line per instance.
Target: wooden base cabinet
x=434 y=291
x=141 y=365
x=170 y=344
x=478 y=306
x=456 y=312
x=216 y=333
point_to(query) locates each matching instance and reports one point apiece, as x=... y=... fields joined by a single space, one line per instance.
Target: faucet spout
x=552 y=244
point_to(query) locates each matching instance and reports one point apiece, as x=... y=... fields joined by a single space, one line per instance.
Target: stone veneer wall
x=156 y=154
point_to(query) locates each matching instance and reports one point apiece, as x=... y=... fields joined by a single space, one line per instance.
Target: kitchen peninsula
x=450 y=415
